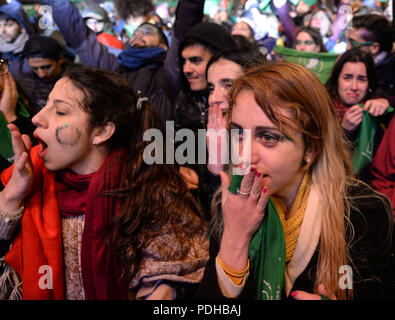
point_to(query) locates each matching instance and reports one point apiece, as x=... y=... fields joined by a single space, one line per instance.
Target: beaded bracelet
x=12 y=217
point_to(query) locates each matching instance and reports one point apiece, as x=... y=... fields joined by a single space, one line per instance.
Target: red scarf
x=340 y=109
x=39 y=242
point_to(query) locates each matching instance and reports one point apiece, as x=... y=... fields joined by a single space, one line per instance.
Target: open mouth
x=43 y=147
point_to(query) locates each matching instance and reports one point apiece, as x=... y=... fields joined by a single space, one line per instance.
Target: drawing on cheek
x=67 y=135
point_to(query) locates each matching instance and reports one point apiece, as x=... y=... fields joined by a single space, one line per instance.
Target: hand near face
x=352 y=118
x=216 y=121
x=21 y=180
x=9 y=98
x=242 y=213
x=376 y=107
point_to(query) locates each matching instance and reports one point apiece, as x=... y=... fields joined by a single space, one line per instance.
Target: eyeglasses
x=3 y=66
x=146 y=30
x=307 y=42
x=356 y=44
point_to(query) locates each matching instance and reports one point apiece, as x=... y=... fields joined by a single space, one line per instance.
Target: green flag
x=319 y=63
x=363 y=152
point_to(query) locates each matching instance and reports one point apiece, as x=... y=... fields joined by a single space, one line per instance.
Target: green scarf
x=6 y=150
x=363 y=153
x=267 y=256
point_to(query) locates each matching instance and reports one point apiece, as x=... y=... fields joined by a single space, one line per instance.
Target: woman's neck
x=92 y=162
x=286 y=198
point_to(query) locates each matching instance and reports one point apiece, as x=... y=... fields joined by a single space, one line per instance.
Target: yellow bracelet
x=237 y=276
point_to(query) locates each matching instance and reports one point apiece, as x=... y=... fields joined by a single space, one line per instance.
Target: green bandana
x=267 y=256
x=363 y=153
x=6 y=150
x=319 y=63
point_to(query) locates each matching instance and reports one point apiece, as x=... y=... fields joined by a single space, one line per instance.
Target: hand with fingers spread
x=376 y=107
x=323 y=294
x=242 y=213
x=216 y=129
x=9 y=98
x=352 y=118
x=20 y=184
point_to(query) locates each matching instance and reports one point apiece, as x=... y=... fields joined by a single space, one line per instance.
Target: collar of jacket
x=134 y=58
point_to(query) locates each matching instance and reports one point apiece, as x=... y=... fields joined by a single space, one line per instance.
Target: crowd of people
x=303 y=92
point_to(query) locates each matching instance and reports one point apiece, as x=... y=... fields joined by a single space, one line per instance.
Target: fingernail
x=264 y=189
x=294 y=294
x=258 y=174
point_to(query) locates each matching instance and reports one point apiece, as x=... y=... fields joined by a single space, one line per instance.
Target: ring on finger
x=243 y=193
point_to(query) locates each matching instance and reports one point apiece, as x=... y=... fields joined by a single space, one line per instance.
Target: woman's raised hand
x=9 y=98
x=216 y=129
x=21 y=181
x=352 y=118
x=376 y=107
x=242 y=213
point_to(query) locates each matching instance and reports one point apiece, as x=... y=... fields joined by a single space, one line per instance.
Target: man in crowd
x=147 y=63
x=201 y=42
x=45 y=57
x=373 y=33
x=15 y=29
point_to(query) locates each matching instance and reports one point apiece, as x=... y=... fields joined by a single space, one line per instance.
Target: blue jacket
x=157 y=78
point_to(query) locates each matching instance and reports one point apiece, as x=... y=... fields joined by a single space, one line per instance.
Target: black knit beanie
x=210 y=33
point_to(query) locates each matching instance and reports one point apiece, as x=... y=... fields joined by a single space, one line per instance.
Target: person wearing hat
x=97 y=19
x=200 y=43
x=148 y=63
x=45 y=57
x=15 y=29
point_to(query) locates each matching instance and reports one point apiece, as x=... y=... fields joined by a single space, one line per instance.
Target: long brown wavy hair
x=295 y=89
x=152 y=196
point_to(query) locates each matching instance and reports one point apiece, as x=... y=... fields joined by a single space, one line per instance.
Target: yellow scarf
x=292 y=225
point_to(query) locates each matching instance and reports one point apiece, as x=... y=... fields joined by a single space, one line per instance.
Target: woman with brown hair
x=96 y=221
x=299 y=224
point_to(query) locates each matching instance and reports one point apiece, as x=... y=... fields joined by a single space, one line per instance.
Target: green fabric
x=6 y=150
x=310 y=2
x=363 y=152
x=267 y=256
x=264 y=6
x=234 y=186
x=319 y=63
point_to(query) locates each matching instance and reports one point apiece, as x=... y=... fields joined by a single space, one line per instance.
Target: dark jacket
x=191 y=109
x=158 y=78
x=371 y=252
x=385 y=71
x=17 y=63
x=37 y=89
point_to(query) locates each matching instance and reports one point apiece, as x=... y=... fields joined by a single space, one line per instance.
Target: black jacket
x=371 y=252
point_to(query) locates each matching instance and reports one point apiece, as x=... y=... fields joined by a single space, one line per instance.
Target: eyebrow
x=58 y=101
x=259 y=128
x=226 y=80
x=194 y=58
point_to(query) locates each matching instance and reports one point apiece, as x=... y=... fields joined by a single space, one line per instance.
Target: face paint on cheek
x=67 y=136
